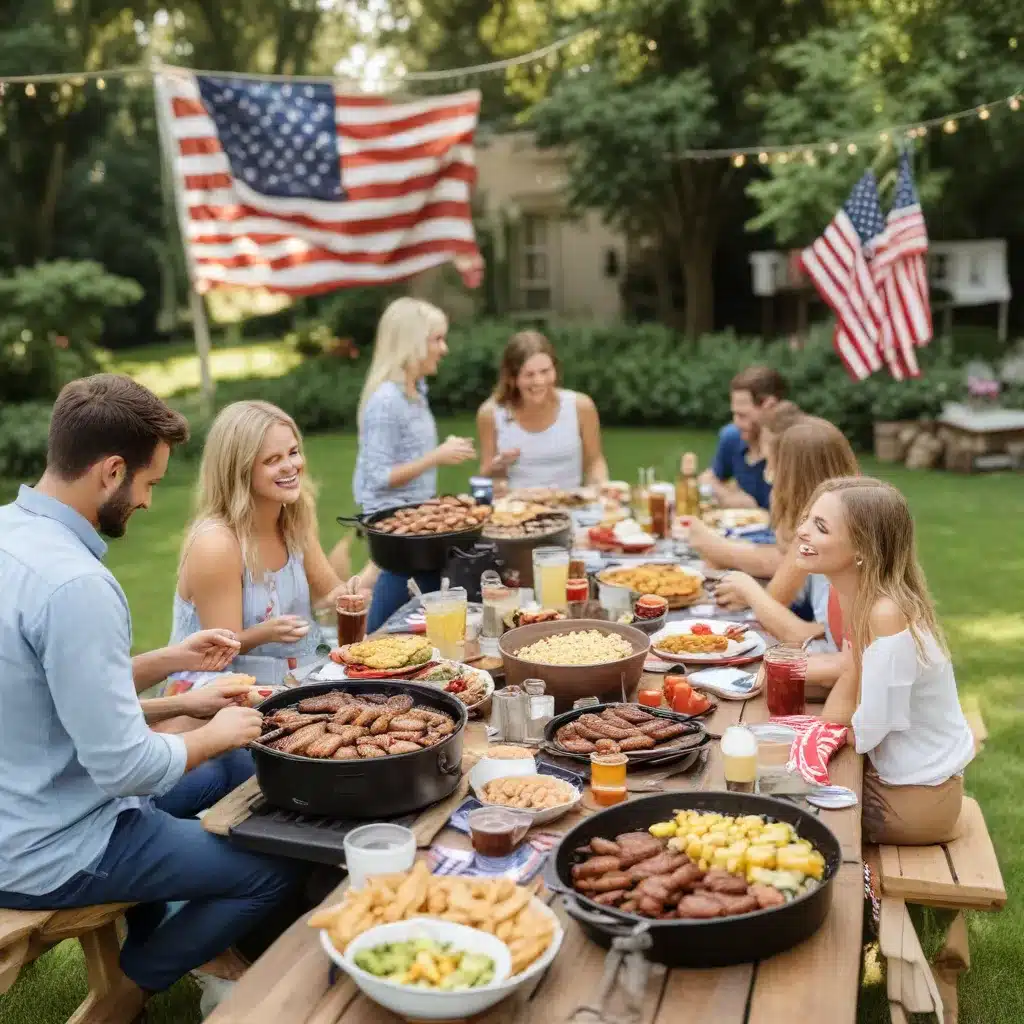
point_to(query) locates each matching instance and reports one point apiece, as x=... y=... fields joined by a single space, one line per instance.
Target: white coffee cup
x=378 y=849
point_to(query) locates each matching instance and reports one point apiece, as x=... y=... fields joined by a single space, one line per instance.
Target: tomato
x=700 y=629
x=682 y=694
x=698 y=704
x=649 y=698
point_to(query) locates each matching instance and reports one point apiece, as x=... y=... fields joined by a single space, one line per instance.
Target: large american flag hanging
x=298 y=188
x=871 y=271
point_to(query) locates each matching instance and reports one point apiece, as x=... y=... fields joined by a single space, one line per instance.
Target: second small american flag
x=298 y=188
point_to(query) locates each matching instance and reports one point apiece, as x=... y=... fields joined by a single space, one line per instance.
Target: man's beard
x=114 y=513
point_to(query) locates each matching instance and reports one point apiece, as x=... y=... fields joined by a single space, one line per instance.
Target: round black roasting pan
x=409 y=555
x=717 y=942
x=380 y=787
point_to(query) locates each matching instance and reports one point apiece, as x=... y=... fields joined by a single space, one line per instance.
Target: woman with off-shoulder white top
x=897 y=690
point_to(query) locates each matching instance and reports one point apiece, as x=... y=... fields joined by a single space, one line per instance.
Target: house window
x=535 y=263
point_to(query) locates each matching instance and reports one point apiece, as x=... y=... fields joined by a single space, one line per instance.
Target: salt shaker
x=541 y=707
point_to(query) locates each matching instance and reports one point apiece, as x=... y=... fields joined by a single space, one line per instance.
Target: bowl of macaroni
x=576 y=658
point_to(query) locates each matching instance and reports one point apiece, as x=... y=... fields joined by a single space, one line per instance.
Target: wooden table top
x=291 y=984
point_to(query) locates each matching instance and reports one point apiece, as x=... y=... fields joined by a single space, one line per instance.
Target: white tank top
x=547 y=458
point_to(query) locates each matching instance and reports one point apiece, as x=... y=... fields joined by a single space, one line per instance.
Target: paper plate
x=735 y=649
x=832 y=798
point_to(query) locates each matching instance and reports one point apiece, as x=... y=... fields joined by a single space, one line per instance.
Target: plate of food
x=626 y=536
x=706 y=641
x=740 y=518
x=393 y=656
x=473 y=686
x=543 y=797
x=679 y=585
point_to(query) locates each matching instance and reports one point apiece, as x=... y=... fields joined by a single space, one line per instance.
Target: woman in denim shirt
x=398 y=446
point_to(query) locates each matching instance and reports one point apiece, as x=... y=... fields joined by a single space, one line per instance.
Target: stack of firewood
x=916 y=445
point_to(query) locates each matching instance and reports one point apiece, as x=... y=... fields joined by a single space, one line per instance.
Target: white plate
x=484 y=677
x=719 y=683
x=539 y=817
x=734 y=650
x=419 y=1003
x=739 y=518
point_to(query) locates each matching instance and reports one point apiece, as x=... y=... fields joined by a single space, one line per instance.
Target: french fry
x=510 y=907
x=504 y=930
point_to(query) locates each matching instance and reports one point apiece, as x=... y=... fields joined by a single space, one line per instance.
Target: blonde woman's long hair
x=401 y=342
x=224 y=492
x=807 y=453
x=881 y=531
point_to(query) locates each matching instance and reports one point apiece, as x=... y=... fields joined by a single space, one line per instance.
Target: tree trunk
x=663 y=281
x=696 y=255
x=48 y=211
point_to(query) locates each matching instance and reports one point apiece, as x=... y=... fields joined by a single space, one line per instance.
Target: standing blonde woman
x=252 y=561
x=399 y=452
x=897 y=690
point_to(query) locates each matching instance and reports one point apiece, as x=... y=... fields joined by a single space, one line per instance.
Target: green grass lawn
x=966 y=528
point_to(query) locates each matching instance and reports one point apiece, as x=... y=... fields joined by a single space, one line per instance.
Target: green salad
x=424 y=963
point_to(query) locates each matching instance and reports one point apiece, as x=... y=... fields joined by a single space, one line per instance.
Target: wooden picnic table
x=292 y=983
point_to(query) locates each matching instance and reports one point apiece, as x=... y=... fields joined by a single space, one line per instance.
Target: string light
x=984 y=113
x=762 y=158
x=783 y=158
x=949 y=127
x=739 y=160
x=101 y=84
x=30 y=90
x=809 y=157
x=1014 y=103
x=833 y=148
x=851 y=148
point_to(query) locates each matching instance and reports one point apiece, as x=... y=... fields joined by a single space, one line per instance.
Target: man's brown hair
x=761 y=381
x=108 y=414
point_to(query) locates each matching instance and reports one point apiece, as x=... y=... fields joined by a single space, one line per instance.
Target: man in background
x=736 y=473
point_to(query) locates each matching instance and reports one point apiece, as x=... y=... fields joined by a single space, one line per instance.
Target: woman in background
x=897 y=691
x=399 y=452
x=760 y=560
x=808 y=453
x=534 y=433
x=252 y=562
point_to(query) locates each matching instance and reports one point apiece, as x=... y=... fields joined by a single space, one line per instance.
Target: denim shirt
x=395 y=429
x=75 y=750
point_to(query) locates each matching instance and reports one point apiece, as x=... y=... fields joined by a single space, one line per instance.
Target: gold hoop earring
x=858 y=562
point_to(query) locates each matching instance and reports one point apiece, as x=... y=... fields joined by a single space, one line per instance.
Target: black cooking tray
x=636 y=757
x=279 y=833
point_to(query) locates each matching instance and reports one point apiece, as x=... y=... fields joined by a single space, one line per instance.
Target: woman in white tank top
x=533 y=432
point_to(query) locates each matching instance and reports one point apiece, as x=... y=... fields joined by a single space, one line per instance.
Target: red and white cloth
x=816 y=741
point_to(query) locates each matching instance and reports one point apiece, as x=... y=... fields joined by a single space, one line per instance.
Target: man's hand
x=231 y=728
x=209 y=650
x=206 y=701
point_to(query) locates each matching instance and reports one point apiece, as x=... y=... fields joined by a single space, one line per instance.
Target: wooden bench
x=960 y=875
x=27 y=934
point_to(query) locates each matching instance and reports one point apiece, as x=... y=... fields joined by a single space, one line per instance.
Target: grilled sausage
x=595 y=723
x=609 y=883
x=767 y=896
x=608 y=746
x=567 y=732
x=329 y=702
x=380 y=726
x=324 y=746
x=368 y=716
x=579 y=746
x=403 y=747
x=346 y=754
x=409 y=737
x=610 y=899
x=368 y=750
x=717 y=880
x=301 y=738
x=595 y=866
x=668 y=731
x=737 y=904
x=406 y=723
x=348 y=733
x=649 y=906
x=685 y=877
x=348 y=714
x=618 y=721
x=699 y=905
x=636 y=743
x=400 y=703
x=636 y=852
x=656 y=887
x=604 y=847
x=662 y=864
x=633 y=714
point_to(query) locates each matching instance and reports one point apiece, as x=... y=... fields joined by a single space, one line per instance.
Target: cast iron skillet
x=717 y=942
x=693 y=739
x=409 y=555
x=378 y=787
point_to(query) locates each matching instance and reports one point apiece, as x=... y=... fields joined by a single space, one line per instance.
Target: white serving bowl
x=423 y=1003
x=539 y=817
x=488 y=768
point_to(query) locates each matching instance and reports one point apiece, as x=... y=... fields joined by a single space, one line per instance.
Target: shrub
x=23 y=434
x=51 y=315
x=637 y=374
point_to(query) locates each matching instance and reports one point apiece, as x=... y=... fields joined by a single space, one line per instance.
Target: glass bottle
x=498 y=600
x=541 y=709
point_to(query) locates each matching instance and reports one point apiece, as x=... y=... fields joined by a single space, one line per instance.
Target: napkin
x=520 y=866
x=816 y=741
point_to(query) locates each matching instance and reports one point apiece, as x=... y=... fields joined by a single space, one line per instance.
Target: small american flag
x=298 y=188
x=898 y=267
x=838 y=264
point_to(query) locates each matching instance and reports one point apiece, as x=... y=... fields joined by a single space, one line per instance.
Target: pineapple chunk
x=761 y=855
x=663 y=829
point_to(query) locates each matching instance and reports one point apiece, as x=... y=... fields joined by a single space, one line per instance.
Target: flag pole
x=172 y=190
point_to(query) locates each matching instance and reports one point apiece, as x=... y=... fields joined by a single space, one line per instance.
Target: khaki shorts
x=911 y=815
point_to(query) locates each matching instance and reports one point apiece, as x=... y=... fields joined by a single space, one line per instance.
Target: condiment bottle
x=541 y=709
x=577 y=594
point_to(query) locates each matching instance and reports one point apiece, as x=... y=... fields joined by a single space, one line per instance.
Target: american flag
x=298 y=188
x=838 y=264
x=898 y=267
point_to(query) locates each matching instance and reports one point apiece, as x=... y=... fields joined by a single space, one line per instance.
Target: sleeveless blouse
x=547 y=458
x=285 y=592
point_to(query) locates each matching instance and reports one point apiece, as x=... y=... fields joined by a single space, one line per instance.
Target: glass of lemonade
x=550 y=575
x=446 y=621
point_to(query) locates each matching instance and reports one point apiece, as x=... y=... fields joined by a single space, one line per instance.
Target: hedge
x=637 y=374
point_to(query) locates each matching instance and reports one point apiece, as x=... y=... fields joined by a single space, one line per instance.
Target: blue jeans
x=161 y=853
x=391 y=591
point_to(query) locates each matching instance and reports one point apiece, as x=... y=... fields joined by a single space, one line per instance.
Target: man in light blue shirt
x=95 y=807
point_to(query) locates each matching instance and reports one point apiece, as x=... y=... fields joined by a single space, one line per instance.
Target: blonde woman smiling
x=399 y=452
x=252 y=562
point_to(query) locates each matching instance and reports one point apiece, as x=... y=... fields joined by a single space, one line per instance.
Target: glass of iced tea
x=351 y=618
x=785 y=678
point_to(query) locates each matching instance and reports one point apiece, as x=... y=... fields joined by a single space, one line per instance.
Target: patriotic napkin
x=520 y=866
x=816 y=741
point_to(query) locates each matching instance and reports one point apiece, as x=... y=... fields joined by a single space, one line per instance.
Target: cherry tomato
x=700 y=629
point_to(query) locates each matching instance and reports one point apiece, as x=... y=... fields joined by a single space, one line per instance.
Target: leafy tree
x=664 y=78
